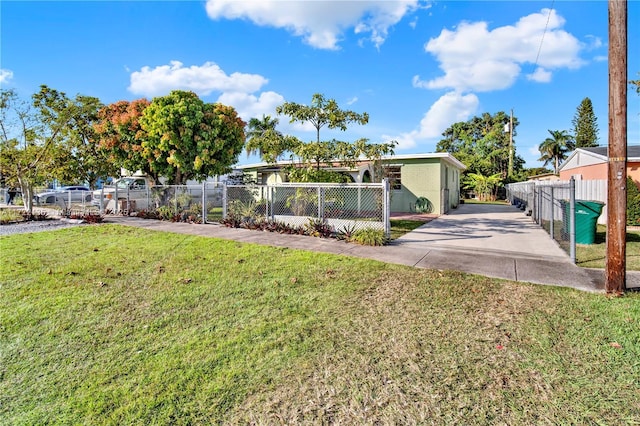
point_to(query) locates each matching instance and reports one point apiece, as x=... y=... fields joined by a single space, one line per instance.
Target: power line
x=544 y=32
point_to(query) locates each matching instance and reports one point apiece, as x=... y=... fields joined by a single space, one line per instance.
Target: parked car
x=78 y=194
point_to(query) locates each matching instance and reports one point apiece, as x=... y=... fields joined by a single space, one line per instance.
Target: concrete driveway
x=487 y=228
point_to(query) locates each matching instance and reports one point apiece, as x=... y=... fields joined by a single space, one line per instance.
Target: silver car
x=61 y=195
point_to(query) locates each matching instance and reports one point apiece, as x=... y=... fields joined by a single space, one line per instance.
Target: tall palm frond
x=555 y=148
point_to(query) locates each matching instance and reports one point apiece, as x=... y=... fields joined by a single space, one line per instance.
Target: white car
x=61 y=195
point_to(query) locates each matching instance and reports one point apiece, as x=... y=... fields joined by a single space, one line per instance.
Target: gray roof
x=633 y=151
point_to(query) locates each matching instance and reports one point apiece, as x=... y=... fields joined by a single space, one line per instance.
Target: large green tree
x=555 y=148
x=77 y=118
x=482 y=145
x=585 y=125
x=321 y=112
x=316 y=154
x=121 y=136
x=39 y=141
x=187 y=138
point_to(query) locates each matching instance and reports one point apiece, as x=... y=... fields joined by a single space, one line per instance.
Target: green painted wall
x=420 y=178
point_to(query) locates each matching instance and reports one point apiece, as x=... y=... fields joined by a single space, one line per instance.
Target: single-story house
x=592 y=164
x=434 y=176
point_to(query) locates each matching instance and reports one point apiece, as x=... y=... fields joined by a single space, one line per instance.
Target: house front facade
x=412 y=178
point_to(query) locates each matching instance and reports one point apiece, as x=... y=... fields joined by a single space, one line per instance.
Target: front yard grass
x=399 y=227
x=595 y=255
x=112 y=325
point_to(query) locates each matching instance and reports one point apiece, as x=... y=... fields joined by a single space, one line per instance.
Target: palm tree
x=555 y=149
x=484 y=186
x=269 y=143
x=258 y=131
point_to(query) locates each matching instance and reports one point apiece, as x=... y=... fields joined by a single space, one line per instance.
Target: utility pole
x=615 y=273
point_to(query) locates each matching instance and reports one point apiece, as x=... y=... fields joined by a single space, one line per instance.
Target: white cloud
x=352 y=100
x=5 y=75
x=474 y=58
x=321 y=24
x=540 y=75
x=534 y=151
x=200 y=79
x=594 y=42
x=249 y=106
x=236 y=89
x=451 y=108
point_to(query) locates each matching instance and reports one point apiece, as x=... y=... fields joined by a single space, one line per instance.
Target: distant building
x=546 y=177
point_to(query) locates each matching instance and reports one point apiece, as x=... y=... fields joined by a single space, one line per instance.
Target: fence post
x=204 y=202
x=273 y=203
x=538 y=208
x=386 y=207
x=102 y=200
x=572 y=219
x=551 y=223
x=224 y=199
x=319 y=191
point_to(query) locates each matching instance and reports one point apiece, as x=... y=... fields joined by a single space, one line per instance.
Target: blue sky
x=416 y=67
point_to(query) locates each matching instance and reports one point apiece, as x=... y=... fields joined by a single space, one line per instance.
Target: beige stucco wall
x=591 y=172
x=633 y=171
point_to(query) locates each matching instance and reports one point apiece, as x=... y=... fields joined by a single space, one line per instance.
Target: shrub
x=423 y=205
x=319 y=228
x=346 y=233
x=633 y=203
x=10 y=215
x=369 y=237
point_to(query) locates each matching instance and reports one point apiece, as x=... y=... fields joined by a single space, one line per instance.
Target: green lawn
x=399 y=227
x=595 y=255
x=105 y=324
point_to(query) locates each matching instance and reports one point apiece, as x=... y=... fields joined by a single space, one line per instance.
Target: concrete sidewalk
x=494 y=241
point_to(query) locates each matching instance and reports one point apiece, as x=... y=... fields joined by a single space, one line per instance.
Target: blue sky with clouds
x=416 y=67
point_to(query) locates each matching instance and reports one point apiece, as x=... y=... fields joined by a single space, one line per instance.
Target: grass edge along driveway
x=114 y=325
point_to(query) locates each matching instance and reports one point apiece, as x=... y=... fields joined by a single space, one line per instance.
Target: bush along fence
x=342 y=209
x=553 y=205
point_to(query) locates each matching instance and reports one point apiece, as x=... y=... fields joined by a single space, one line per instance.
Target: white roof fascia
x=443 y=155
x=579 y=152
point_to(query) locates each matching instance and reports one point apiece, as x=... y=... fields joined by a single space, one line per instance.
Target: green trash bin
x=587 y=214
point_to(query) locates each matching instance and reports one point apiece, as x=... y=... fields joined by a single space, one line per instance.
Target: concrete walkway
x=497 y=241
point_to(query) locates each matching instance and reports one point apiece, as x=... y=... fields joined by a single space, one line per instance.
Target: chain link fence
x=78 y=198
x=341 y=206
x=552 y=205
x=195 y=203
x=344 y=207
